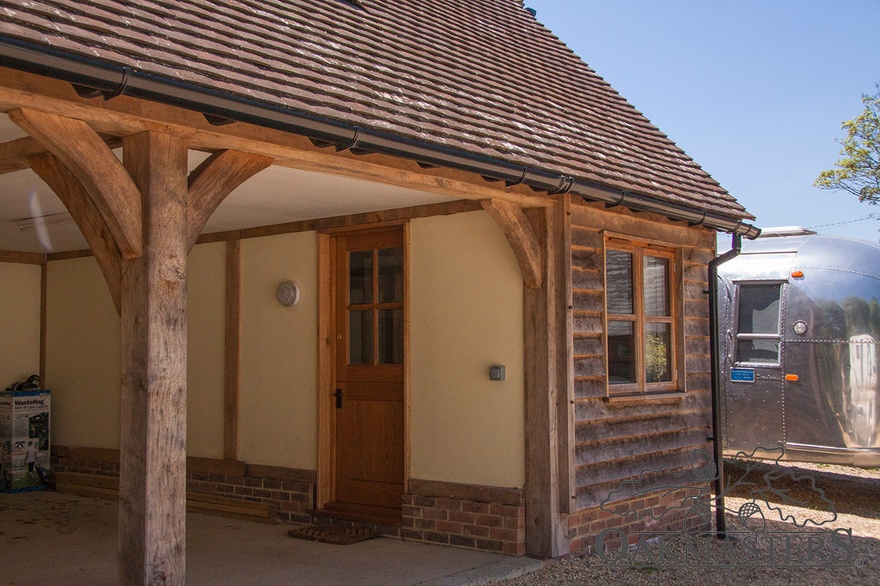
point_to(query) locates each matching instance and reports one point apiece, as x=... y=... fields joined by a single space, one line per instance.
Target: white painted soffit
x=274 y=196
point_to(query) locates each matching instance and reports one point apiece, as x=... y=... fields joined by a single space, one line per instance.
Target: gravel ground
x=854 y=492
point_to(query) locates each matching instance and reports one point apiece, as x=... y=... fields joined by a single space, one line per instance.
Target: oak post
x=232 y=350
x=542 y=355
x=152 y=504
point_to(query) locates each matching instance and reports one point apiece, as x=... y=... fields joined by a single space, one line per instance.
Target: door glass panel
x=390 y=275
x=621 y=353
x=619 y=278
x=391 y=336
x=758 y=350
x=658 y=353
x=759 y=309
x=656 y=286
x=360 y=337
x=360 y=277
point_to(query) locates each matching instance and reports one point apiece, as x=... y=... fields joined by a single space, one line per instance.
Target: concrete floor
x=51 y=538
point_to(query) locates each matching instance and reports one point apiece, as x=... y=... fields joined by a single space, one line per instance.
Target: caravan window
x=758 y=333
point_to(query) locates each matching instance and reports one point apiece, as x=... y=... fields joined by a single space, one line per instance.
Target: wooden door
x=369 y=304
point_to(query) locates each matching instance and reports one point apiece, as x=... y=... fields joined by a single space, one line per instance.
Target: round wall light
x=288 y=293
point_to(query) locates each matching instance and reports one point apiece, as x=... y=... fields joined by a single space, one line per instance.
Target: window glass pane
x=656 y=286
x=360 y=337
x=658 y=353
x=760 y=351
x=619 y=279
x=390 y=275
x=391 y=336
x=360 y=277
x=759 y=309
x=621 y=353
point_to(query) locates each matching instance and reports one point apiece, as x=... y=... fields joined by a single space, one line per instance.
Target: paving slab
x=52 y=538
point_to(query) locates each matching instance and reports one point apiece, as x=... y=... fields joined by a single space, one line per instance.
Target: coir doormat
x=332 y=534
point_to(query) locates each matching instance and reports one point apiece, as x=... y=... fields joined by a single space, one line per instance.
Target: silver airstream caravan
x=798 y=332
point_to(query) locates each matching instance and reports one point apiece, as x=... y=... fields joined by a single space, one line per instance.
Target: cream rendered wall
x=20 y=326
x=83 y=366
x=278 y=421
x=466 y=314
x=82 y=355
x=206 y=338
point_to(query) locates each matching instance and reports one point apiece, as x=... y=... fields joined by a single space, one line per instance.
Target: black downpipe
x=714 y=338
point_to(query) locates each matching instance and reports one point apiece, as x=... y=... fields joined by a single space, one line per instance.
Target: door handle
x=338 y=395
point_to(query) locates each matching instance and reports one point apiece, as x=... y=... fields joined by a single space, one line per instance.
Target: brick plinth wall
x=291 y=490
x=482 y=518
x=292 y=497
x=585 y=525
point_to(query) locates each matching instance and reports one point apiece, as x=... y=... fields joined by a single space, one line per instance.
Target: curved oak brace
x=86 y=215
x=102 y=175
x=213 y=180
x=522 y=238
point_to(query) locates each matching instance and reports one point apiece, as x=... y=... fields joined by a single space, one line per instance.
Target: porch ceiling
x=274 y=196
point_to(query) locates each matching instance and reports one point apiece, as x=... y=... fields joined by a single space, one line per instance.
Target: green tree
x=858 y=170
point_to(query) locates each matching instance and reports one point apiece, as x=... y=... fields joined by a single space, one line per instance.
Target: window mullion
x=638 y=308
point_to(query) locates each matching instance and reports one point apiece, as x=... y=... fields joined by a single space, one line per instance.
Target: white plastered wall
x=206 y=336
x=83 y=366
x=466 y=315
x=278 y=421
x=20 y=326
x=82 y=355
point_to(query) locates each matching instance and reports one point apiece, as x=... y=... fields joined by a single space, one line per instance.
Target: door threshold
x=384 y=516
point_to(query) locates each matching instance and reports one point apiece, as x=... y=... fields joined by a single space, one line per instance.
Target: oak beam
x=25 y=258
x=152 y=504
x=522 y=238
x=15 y=154
x=87 y=217
x=101 y=174
x=213 y=180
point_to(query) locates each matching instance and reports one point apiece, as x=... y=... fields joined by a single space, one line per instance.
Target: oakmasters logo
x=776 y=517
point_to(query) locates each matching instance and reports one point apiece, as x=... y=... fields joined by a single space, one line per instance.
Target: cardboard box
x=24 y=433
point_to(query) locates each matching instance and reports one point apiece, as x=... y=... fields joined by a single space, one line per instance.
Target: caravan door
x=755 y=381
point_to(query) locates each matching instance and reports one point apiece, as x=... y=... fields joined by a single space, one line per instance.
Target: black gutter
x=100 y=78
x=714 y=338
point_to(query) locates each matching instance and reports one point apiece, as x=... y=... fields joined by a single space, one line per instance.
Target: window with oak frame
x=641 y=318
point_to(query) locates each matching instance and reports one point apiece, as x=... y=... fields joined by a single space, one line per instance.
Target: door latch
x=338 y=395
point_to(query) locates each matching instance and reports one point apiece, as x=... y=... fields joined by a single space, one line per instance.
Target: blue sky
x=754 y=91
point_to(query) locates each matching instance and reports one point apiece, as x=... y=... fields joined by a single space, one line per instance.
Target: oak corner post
x=545 y=358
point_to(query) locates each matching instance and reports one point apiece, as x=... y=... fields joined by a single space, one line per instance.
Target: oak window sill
x=663 y=398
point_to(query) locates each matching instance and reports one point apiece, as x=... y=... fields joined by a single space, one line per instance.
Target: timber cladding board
x=616 y=441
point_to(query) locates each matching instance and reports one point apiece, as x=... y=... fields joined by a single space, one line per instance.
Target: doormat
x=332 y=534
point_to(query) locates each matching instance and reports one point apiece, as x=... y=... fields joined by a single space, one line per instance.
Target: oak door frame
x=325 y=488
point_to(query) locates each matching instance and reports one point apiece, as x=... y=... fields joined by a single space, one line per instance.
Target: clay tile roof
x=481 y=76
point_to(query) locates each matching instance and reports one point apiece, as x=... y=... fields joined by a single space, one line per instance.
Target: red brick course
x=585 y=525
x=462 y=523
x=293 y=499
